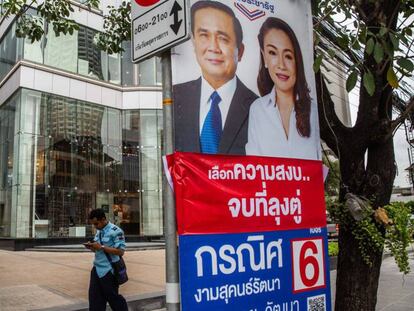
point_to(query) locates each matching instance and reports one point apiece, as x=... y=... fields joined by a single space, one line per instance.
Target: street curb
x=333 y=260
x=156 y=300
x=333 y=263
x=143 y=302
x=62 y=250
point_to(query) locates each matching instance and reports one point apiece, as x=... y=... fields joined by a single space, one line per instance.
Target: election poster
x=255 y=59
x=247 y=171
x=252 y=233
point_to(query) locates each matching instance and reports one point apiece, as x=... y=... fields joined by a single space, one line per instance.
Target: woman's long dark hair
x=301 y=90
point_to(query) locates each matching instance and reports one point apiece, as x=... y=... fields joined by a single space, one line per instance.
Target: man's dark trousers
x=102 y=290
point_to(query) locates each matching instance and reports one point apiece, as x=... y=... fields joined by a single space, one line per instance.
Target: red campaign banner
x=231 y=194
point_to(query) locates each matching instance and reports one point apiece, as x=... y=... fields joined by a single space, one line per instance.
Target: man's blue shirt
x=109 y=236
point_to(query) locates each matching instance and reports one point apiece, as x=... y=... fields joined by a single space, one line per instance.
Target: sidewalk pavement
x=58 y=281
x=41 y=280
x=395 y=291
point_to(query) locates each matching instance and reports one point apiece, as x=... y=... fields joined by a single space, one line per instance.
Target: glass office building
x=79 y=129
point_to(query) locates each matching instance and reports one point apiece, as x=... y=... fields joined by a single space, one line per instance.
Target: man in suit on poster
x=211 y=112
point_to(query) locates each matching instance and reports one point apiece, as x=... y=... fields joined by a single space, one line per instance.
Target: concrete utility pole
x=171 y=250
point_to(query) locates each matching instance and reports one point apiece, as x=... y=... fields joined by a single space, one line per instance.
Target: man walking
x=103 y=287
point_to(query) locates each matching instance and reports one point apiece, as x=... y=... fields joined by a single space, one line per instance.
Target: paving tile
x=27 y=297
x=65 y=276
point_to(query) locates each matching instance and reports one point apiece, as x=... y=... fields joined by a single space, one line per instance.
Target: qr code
x=317 y=303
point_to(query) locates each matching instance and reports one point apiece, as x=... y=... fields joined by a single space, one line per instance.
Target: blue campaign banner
x=263 y=271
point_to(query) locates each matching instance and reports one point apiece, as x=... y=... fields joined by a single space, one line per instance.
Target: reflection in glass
x=147 y=72
x=129 y=70
x=78 y=53
x=70 y=157
x=61 y=51
x=152 y=218
x=90 y=58
x=8 y=51
x=7 y=130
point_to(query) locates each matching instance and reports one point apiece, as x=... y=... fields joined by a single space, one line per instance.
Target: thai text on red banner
x=230 y=194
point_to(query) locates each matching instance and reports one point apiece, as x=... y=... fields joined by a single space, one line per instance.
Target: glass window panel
x=113 y=168
x=129 y=212
x=148 y=128
x=152 y=213
x=8 y=51
x=61 y=51
x=33 y=50
x=113 y=127
x=91 y=121
x=24 y=219
x=158 y=65
x=147 y=73
x=130 y=71
x=104 y=64
x=150 y=168
x=7 y=128
x=160 y=128
x=74 y=156
x=130 y=151
x=30 y=112
x=114 y=68
x=91 y=60
x=25 y=155
x=127 y=65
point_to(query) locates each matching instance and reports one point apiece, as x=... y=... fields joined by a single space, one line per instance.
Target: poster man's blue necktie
x=212 y=128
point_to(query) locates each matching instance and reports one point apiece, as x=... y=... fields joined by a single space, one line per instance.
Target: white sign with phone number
x=157 y=26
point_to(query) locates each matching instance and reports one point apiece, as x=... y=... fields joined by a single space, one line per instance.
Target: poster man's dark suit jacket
x=187 y=116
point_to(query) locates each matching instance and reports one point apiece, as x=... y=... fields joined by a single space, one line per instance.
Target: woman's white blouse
x=266 y=136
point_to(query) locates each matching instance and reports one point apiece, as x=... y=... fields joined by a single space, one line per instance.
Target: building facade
x=79 y=129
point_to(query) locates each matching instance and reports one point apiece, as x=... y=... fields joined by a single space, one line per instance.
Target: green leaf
x=317 y=63
x=332 y=53
x=370 y=46
x=362 y=36
x=392 y=78
x=369 y=82
x=378 y=52
x=388 y=49
x=343 y=41
x=316 y=39
x=351 y=81
x=406 y=64
x=356 y=45
x=395 y=41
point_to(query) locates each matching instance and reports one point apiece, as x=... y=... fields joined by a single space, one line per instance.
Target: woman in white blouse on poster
x=283 y=122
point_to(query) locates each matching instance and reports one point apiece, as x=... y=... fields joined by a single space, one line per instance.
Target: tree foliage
x=360 y=29
x=56 y=14
x=333 y=179
x=373 y=40
x=117 y=25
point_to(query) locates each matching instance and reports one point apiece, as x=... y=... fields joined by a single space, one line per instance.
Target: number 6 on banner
x=308 y=264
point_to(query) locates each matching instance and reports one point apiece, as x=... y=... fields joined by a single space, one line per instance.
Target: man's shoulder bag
x=120 y=270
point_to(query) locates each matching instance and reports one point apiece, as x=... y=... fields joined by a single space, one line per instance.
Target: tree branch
x=331 y=127
x=409 y=109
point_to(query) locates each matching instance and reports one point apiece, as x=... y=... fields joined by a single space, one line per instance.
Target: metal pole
x=171 y=250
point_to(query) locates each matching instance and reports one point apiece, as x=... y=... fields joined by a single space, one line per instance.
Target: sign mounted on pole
x=260 y=242
x=157 y=25
x=252 y=229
